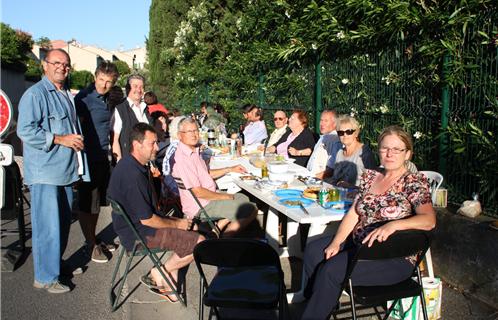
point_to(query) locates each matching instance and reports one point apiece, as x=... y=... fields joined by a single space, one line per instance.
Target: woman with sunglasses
x=354 y=157
x=298 y=142
x=387 y=202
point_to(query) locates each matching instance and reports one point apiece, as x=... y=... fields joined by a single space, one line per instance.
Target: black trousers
x=325 y=278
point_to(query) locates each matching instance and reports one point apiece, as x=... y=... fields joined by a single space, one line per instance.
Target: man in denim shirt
x=53 y=161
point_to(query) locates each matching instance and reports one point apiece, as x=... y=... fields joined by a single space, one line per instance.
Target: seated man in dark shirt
x=130 y=187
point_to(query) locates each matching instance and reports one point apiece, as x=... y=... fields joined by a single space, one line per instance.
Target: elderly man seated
x=326 y=148
x=234 y=211
x=130 y=186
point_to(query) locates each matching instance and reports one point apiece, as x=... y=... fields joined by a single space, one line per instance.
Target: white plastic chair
x=435 y=181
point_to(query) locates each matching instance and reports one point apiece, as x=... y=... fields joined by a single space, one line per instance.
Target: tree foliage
x=44 y=42
x=80 y=79
x=15 y=46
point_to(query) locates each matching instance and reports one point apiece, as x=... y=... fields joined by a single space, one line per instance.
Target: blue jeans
x=50 y=222
x=325 y=278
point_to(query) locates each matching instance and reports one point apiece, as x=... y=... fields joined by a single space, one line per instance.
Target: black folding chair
x=203 y=215
x=249 y=276
x=399 y=244
x=140 y=249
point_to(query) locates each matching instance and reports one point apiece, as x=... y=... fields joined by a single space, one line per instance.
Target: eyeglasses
x=393 y=150
x=58 y=64
x=190 y=131
x=348 y=132
x=279 y=119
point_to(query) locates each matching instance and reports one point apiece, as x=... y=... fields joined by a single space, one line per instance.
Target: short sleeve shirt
x=399 y=201
x=129 y=186
x=192 y=170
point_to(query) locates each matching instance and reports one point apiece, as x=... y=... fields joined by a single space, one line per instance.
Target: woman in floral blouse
x=386 y=202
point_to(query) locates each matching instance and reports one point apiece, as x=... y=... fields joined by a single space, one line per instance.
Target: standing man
x=128 y=113
x=52 y=141
x=327 y=146
x=95 y=117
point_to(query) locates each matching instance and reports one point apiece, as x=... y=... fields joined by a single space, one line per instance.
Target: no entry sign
x=5 y=113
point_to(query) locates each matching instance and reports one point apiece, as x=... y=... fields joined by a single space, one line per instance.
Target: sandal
x=165 y=294
x=150 y=283
x=205 y=229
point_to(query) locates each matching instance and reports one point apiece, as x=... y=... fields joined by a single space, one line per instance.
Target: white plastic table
x=318 y=218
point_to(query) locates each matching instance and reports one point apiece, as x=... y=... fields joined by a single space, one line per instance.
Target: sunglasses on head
x=280 y=119
x=348 y=132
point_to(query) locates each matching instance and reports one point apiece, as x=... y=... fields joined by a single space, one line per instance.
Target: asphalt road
x=89 y=297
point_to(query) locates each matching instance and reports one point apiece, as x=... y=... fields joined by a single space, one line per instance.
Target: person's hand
x=381 y=233
x=271 y=149
x=238 y=168
x=73 y=141
x=155 y=172
x=261 y=147
x=331 y=250
x=292 y=151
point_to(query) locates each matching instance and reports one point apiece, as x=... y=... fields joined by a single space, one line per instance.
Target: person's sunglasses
x=348 y=132
x=279 y=119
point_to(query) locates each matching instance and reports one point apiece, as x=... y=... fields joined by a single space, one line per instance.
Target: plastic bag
x=411 y=309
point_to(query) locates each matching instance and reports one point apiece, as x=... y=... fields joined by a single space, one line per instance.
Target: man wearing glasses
x=280 y=120
x=235 y=211
x=52 y=144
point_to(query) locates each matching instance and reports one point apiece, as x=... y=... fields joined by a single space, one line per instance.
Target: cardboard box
x=441 y=198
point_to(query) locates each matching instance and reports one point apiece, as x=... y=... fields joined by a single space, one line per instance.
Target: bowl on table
x=278 y=167
x=286 y=177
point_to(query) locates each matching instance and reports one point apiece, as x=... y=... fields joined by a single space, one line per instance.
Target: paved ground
x=89 y=298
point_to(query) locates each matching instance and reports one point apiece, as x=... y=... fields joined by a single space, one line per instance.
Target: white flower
x=384 y=108
x=287 y=14
x=352 y=114
x=340 y=35
x=314 y=46
x=417 y=135
x=345 y=81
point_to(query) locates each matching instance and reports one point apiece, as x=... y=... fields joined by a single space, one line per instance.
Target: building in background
x=86 y=57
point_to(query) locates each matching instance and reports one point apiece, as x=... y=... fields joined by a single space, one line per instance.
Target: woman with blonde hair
x=354 y=157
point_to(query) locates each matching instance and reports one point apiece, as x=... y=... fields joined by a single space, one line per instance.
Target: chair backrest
x=181 y=186
x=435 y=181
x=232 y=252
x=119 y=210
x=400 y=244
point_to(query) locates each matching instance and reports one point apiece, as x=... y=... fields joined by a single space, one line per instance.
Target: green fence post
x=261 y=92
x=445 y=110
x=318 y=94
x=207 y=92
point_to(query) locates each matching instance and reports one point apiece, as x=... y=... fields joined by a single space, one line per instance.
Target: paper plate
x=288 y=193
x=338 y=206
x=305 y=202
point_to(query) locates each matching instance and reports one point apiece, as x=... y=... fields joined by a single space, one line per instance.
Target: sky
x=108 y=24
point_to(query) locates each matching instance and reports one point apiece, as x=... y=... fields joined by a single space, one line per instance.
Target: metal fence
x=394 y=87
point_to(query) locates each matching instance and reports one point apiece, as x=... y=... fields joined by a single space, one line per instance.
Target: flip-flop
x=164 y=294
x=150 y=283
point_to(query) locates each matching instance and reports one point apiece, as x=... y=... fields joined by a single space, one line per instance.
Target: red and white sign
x=6 y=113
